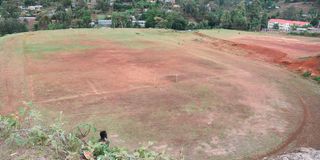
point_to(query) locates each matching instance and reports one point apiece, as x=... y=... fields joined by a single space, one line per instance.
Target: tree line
x=185 y=14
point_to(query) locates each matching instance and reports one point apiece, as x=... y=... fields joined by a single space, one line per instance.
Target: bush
x=9 y=26
x=317 y=79
x=305 y=33
x=54 y=26
x=26 y=130
x=176 y=21
x=306 y=74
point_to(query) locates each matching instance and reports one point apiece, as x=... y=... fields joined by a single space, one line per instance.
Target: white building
x=285 y=25
x=142 y=24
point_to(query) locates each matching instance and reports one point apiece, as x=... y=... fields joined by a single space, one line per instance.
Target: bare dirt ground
x=297 y=54
x=188 y=92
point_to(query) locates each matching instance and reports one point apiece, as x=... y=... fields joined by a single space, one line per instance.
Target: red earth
x=190 y=92
x=295 y=54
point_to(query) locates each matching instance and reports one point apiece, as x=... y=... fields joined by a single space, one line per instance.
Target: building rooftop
x=283 y=21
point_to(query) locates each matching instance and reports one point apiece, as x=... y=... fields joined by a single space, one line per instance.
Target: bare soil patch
x=199 y=94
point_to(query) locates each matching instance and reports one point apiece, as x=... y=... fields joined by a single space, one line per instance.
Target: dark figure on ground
x=104 y=137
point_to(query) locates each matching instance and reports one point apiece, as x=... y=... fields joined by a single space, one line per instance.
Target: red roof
x=283 y=21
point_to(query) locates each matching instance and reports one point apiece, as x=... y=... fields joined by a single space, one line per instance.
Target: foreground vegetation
x=25 y=131
x=309 y=75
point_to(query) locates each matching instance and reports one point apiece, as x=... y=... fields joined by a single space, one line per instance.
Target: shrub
x=26 y=130
x=305 y=33
x=306 y=74
x=54 y=26
x=9 y=26
x=317 y=79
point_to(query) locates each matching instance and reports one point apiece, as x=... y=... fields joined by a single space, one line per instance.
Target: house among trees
x=285 y=25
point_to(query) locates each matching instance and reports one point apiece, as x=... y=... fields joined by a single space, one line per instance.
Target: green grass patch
x=101 y=16
x=306 y=74
x=317 y=79
x=225 y=33
x=39 y=50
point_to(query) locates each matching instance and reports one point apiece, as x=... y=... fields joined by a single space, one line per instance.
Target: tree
x=103 y=5
x=264 y=20
x=10 y=9
x=176 y=21
x=66 y=3
x=120 y=19
x=160 y=22
x=315 y=22
x=254 y=10
x=276 y=26
x=214 y=18
x=238 y=18
x=189 y=7
x=62 y=17
x=150 y=17
x=29 y=2
x=11 y=25
x=43 y=21
x=225 y=20
x=82 y=18
x=290 y=13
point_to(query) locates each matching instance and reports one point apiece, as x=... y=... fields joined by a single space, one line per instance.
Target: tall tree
x=10 y=9
x=254 y=11
x=214 y=18
x=120 y=19
x=226 y=20
x=103 y=5
x=238 y=17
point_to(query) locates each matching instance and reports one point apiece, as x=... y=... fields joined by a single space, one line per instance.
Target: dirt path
x=292 y=137
x=13 y=87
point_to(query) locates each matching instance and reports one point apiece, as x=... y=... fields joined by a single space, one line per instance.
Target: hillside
x=170 y=14
x=213 y=94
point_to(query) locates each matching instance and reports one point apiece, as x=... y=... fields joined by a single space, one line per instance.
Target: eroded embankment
x=311 y=64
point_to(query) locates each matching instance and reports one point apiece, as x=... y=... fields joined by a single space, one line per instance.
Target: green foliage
x=315 y=22
x=9 y=12
x=7 y=125
x=305 y=33
x=54 y=26
x=103 y=151
x=103 y=5
x=29 y=2
x=9 y=9
x=25 y=129
x=176 y=21
x=121 y=20
x=214 y=18
x=317 y=79
x=276 y=26
x=254 y=9
x=226 y=20
x=232 y=14
x=306 y=74
x=238 y=18
x=150 y=17
x=119 y=6
x=290 y=13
